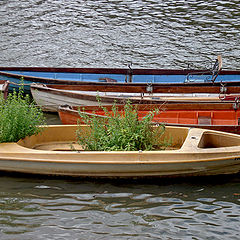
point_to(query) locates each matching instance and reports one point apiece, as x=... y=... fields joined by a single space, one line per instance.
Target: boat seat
x=207 y=76
x=204 y=139
x=193 y=138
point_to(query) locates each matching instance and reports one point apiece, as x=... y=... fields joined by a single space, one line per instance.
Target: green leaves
x=121 y=131
x=19 y=117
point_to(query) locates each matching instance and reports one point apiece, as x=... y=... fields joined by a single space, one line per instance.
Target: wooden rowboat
x=4 y=88
x=67 y=76
x=216 y=116
x=50 y=97
x=51 y=75
x=194 y=152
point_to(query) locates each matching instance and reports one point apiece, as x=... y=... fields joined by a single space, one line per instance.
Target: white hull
x=49 y=99
x=50 y=102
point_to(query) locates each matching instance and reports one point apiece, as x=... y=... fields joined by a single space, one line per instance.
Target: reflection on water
x=43 y=208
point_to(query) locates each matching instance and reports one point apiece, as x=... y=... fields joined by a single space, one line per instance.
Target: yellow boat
x=194 y=152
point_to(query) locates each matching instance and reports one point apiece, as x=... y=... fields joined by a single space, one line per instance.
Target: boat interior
x=63 y=138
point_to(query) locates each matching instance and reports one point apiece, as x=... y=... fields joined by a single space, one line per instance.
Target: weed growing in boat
x=19 y=117
x=121 y=131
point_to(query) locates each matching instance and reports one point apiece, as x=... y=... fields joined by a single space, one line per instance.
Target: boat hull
x=90 y=75
x=216 y=116
x=51 y=97
x=196 y=152
x=136 y=170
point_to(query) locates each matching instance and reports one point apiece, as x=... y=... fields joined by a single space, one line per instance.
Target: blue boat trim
x=147 y=76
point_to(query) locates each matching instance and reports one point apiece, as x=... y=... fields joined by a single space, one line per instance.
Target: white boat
x=49 y=98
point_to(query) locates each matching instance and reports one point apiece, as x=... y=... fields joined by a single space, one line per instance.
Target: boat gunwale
x=141 y=71
x=166 y=88
x=122 y=162
x=165 y=106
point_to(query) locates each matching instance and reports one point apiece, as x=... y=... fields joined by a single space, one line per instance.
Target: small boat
x=53 y=75
x=4 y=88
x=119 y=75
x=194 y=152
x=50 y=97
x=224 y=116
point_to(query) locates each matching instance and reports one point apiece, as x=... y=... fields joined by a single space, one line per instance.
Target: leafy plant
x=19 y=117
x=121 y=131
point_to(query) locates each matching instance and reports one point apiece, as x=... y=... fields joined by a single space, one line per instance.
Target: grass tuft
x=19 y=117
x=121 y=131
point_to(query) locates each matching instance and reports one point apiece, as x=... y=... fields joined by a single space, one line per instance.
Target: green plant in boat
x=19 y=117
x=121 y=131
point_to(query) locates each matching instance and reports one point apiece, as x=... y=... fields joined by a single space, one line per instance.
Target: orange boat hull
x=221 y=117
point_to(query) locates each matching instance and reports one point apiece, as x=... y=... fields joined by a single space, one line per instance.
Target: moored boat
x=194 y=152
x=119 y=75
x=50 y=97
x=53 y=75
x=216 y=116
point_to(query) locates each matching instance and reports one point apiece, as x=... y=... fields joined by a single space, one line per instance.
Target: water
x=40 y=208
x=151 y=34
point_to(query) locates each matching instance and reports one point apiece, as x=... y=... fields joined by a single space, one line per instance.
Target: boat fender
x=236 y=104
x=149 y=88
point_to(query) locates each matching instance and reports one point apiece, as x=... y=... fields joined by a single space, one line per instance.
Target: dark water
x=152 y=34
x=40 y=208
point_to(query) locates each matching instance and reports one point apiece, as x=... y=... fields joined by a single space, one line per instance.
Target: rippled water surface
x=151 y=34
x=39 y=208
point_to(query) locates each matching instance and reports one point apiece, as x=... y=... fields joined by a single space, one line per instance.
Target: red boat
x=217 y=116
